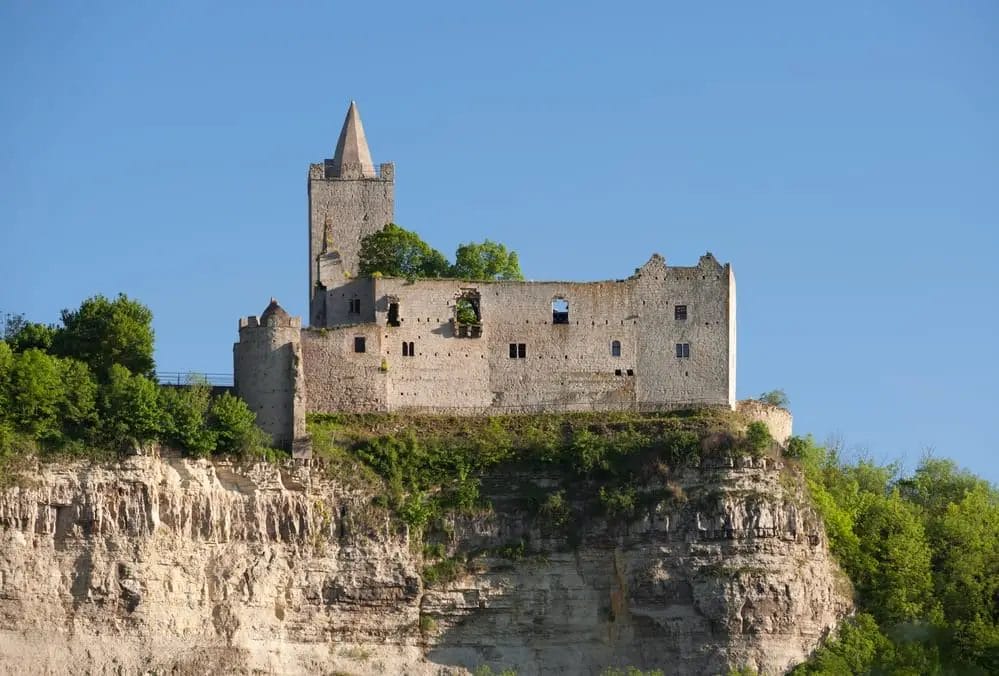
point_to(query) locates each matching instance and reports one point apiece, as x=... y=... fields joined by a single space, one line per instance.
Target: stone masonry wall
x=353 y=208
x=703 y=377
x=336 y=377
x=266 y=363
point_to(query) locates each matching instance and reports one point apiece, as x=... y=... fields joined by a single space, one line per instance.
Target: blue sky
x=844 y=157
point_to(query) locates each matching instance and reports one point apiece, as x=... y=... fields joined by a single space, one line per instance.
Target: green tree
x=185 y=418
x=130 y=407
x=232 y=422
x=78 y=405
x=6 y=370
x=396 y=252
x=487 y=260
x=34 y=394
x=103 y=332
x=23 y=335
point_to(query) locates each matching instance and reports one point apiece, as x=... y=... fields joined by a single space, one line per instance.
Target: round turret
x=275 y=315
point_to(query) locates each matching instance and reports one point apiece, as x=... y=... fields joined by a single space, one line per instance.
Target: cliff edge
x=170 y=565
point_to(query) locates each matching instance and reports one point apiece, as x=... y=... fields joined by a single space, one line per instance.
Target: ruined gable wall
x=703 y=378
x=355 y=207
x=336 y=377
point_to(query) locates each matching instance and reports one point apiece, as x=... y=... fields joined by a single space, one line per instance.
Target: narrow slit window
x=412 y=349
x=405 y=349
x=616 y=348
x=680 y=313
x=560 y=311
x=683 y=350
x=359 y=344
x=522 y=350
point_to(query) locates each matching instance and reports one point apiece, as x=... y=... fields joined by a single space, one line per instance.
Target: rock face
x=179 y=566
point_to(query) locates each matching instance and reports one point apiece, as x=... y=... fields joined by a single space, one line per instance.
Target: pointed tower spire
x=352 y=158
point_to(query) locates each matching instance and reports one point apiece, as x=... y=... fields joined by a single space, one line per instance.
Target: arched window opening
x=560 y=310
x=616 y=348
x=405 y=349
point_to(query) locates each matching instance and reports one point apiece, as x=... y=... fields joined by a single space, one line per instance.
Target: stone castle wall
x=617 y=351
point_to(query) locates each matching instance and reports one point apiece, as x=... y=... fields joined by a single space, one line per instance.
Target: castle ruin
x=663 y=338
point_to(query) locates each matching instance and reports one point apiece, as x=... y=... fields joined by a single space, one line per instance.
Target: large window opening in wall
x=354 y=306
x=616 y=348
x=393 y=314
x=408 y=349
x=683 y=350
x=359 y=344
x=680 y=313
x=560 y=311
x=468 y=315
x=518 y=350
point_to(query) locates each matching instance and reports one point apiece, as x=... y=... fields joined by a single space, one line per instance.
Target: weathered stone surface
x=176 y=566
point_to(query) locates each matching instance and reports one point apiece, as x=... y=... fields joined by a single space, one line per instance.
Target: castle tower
x=348 y=199
x=269 y=374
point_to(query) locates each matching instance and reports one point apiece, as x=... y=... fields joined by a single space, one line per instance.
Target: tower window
x=680 y=313
x=518 y=350
x=408 y=349
x=616 y=348
x=683 y=350
x=359 y=344
x=393 y=314
x=354 y=306
x=560 y=311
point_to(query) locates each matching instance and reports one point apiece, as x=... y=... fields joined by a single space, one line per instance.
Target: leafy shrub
x=758 y=439
x=619 y=502
x=775 y=398
x=555 y=511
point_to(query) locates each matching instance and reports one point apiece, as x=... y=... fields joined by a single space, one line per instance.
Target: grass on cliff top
x=424 y=467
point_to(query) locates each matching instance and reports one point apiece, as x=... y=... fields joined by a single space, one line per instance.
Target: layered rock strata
x=179 y=566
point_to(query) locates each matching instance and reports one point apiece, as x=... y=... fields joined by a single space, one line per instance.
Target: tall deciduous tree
x=486 y=260
x=397 y=252
x=104 y=332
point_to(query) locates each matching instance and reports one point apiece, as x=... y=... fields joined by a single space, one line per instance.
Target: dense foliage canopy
x=87 y=387
x=396 y=252
x=922 y=552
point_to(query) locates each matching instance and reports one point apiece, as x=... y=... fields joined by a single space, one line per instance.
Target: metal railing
x=180 y=378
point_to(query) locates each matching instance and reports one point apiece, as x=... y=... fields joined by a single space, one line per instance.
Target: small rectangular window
x=680 y=313
x=683 y=350
x=513 y=350
x=617 y=372
x=393 y=313
x=521 y=350
x=358 y=343
x=354 y=306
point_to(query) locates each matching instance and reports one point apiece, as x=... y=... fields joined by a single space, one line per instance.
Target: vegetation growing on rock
x=922 y=552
